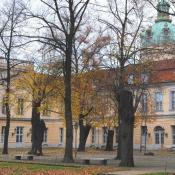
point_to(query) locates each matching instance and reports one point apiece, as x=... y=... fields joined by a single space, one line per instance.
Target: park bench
x=102 y=161
x=23 y=157
x=18 y=157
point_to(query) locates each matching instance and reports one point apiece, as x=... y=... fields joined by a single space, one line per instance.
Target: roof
x=163 y=71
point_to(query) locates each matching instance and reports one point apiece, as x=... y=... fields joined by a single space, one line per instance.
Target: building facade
x=155 y=133
x=159 y=133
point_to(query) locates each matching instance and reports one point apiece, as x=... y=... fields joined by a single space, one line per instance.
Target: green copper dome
x=163 y=31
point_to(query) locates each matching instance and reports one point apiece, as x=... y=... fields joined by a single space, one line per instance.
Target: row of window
x=158 y=101
x=96 y=134
x=20 y=107
x=20 y=110
x=159 y=134
x=143 y=78
x=19 y=134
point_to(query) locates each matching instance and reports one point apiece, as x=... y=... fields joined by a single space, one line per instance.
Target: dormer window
x=130 y=79
x=166 y=29
x=149 y=33
x=144 y=77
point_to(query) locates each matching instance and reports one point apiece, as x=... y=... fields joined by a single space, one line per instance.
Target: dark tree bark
x=41 y=127
x=38 y=128
x=126 y=111
x=119 y=144
x=34 y=121
x=68 y=155
x=84 y=132
x=110 y=137
x=8 y=115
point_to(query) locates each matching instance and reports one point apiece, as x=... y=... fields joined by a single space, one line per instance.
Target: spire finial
x=163 y=11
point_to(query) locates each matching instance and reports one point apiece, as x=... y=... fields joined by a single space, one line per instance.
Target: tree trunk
x=68 y=155
x=34 y=121
x=119 y=144
x=7 y=127
x=84 y=132
x=7 y=105
x=126 y=111
x=110 y=137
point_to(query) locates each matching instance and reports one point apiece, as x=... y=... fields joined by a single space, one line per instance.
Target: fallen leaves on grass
x=91 y=170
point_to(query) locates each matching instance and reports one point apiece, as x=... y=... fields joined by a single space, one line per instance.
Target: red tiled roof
x=163 y=71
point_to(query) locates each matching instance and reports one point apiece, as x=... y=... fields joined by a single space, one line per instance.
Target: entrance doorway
x=159 y=136
x=143 y=138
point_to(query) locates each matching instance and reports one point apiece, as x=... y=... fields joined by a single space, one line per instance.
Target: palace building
x=159 y=133
x=155 y=133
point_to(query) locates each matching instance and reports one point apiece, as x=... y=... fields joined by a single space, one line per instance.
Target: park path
x=160 y=162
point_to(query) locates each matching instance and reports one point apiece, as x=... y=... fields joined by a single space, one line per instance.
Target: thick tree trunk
x=68 y=155
x=34 y=121
x=119 y=144
x=110 y=137
x=126 y=128
x=84 y=132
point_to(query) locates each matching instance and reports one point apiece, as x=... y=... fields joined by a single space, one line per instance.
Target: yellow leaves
x=38 y=86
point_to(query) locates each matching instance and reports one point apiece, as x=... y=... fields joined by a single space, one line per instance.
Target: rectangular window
x=93 y=135
x=3 y=106
x=144 y=103
x=19 y=134
x=143 y=130
x=61 y=134
x=158 y=101
x=45 y=136
x=46 y=111
x=2 y=134
x=130 y=79
x=172 y=100
x=20 y=106
x=104 y=134
x=144 y=78
x=157 y=138
x=173 y=135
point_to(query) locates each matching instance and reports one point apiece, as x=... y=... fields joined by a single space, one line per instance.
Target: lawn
x=159 y=174
x=37 y=169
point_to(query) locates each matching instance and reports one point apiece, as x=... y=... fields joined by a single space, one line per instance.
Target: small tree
x=86 y=52
x=10 y=26
x=42 y=86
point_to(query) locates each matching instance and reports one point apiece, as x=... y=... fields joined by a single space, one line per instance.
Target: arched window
x=159 y=135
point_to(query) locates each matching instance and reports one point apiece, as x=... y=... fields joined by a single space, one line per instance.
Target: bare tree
x=86 y=51
x=125 y=25
x=61 y=24
x=12 y=19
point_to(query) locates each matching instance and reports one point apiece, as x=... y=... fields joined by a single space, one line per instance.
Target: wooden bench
x=27 y=157
x=102 y=161
x=18 y=157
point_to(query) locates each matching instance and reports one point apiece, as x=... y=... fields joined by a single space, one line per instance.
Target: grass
x=158 y=174
x=33 y=167
x=8 y=168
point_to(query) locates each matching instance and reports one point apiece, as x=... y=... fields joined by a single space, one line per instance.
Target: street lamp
x=75 y=125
